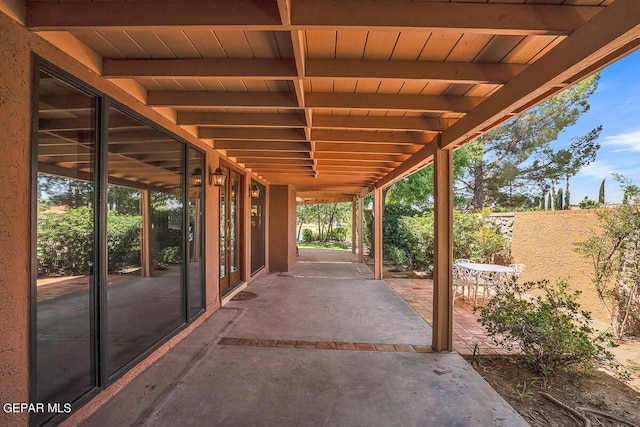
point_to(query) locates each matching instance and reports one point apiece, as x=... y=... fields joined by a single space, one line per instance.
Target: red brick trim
x=324 y=345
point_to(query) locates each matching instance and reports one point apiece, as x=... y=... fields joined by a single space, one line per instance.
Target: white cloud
x=598 y=170
x=629 y=141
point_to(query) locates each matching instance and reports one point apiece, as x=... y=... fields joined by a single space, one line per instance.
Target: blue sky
x=616 y=106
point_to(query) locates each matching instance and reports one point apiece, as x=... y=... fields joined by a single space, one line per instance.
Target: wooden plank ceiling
x=335 y=97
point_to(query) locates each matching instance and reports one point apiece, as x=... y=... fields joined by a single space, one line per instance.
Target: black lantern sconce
x=217 y=178
x=255 y=191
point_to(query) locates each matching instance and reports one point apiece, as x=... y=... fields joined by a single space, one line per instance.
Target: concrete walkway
x=310 y=350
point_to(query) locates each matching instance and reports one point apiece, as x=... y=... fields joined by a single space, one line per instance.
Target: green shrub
x=172 y=255
x=338 y=234
x=614 y=254
x=550 y=329
x=65 y=242
x=476 y=238
x=587 y=203
x=123 y=240
x=66 y=239
x=307 y=235
x=417 y=234
x=398 y=256
x=473 y=237
x=391 y=224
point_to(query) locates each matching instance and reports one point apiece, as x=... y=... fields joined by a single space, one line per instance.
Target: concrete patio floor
x=310 y=349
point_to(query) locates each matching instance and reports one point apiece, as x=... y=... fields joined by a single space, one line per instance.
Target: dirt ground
x=584 y=391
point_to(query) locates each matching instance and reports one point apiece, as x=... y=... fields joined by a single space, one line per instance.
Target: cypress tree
x=559 y=200
x=601 y=193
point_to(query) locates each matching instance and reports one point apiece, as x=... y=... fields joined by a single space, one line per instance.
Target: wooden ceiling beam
x=288 y=69
x=247 y=154
x=273 y=161
x=225 y=144
x=368 y=157
x=242 y=120
x=281 y=100
x=488 y=18
x=342 y=147
x=259 y=68
x=311 y=200
x=423 y=124
x=447 y=72
x=78 y=15
x=298 y=44
x=357 y=163
x=326 y=192
x=287 y=100
x=320 y=180
x=261 y=170
x=518 y=19
x=247 y=134
x=367 y=173
x=383 y=137
x=349 y=169
x=367 y=101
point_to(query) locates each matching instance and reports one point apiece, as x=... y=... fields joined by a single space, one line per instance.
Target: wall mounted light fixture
x=255 y=191
x=217 y=178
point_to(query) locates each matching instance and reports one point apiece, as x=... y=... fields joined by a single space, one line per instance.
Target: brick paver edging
x=325 y=345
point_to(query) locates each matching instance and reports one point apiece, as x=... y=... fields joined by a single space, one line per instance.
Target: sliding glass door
x=230 y=230
x=144 y=293
x=118 y=242
x=65 y=289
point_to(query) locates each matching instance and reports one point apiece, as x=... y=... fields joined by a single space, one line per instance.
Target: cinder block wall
x=544 y=243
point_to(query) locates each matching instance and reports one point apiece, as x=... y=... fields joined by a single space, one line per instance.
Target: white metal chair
x=518 y=269
x=490 y=282
x=462 y=278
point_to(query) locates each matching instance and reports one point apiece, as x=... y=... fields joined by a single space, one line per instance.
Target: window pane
x=65 y=243
x=145 y=242
x=196 y=226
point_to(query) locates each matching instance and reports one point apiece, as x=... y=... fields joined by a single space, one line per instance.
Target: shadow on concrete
x=289 y=358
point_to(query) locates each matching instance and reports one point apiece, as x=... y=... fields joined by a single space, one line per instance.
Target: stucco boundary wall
x=544 y=241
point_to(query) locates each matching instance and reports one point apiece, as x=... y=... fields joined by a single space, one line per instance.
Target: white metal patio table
x=479 y=269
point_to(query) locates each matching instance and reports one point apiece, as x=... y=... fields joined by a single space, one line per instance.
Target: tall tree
x=416 y=190
x=502 y=174
x=601 y=193
x=70 y=192
x=552 y=166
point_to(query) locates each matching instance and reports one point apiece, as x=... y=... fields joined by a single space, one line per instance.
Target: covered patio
x=310 y=349
x=206 y=123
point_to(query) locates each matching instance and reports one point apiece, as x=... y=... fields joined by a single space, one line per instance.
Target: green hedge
x=66 y=240
x=409 y=240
